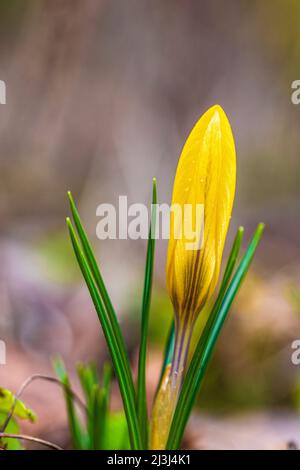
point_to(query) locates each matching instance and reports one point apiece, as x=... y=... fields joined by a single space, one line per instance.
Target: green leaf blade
x=127 y=394
x=78 y=435
x=100 y=410
x=141 y=382
x=95 y=271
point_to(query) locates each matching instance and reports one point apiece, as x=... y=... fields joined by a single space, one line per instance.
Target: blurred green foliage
x=56 y=258
x=21 y=411
x=100 y=428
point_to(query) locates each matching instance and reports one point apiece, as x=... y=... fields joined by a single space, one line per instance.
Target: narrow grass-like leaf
x=205 y=347
x=232 y=259
x=100 y=409
x=124 y=384
x=107 y=376
x=168 y=353
x=78 y=434
x=94 y=268
x=89 y=382
x=141 y=382
x=88 y=378
x=169 y=348
x=97 y=418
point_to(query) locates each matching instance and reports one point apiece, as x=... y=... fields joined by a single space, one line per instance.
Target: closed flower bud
x=203 y=195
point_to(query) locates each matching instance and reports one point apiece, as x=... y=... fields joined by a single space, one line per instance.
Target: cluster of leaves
x=134 y=396
x=99 y=428
x=7 y=401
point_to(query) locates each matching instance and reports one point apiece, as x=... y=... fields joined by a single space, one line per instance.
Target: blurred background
x=101 y=96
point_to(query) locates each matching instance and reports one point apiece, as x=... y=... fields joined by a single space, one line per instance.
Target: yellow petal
x=206 y=174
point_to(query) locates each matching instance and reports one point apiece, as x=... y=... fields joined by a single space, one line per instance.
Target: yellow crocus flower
x=205 y=177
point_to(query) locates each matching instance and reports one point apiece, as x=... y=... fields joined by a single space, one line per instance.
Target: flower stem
x=169 y=390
